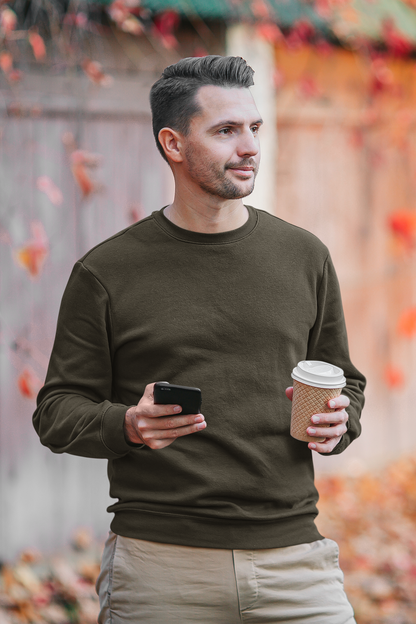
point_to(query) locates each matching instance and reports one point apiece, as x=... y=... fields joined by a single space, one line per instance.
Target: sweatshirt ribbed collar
x=201 y=238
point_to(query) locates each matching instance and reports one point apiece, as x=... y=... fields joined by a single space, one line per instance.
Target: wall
x=346 y=162
x=46 y=496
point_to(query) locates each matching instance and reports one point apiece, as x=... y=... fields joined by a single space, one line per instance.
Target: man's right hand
x=157 y=426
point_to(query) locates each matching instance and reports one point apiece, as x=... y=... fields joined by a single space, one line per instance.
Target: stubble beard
x=213 y=179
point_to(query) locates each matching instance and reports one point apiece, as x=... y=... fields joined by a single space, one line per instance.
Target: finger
x=149 y=389
x=156 y=410
x=339 y=402
x=330 y=418
x=327 y=432
x=151 y=436
x=176 y=421
x=324 y=447
x=289 y=393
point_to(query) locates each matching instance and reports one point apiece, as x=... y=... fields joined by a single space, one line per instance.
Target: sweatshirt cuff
x=112 y=429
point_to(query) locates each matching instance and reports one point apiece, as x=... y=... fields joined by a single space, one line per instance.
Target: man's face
x=222 y=150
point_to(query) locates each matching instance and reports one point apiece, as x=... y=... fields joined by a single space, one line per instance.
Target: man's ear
x=172 y=144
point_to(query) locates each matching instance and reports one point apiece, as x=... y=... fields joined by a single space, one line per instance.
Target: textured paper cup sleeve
x=307 y=401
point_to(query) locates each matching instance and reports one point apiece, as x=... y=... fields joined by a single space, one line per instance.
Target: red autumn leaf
x=406 y=325
x=82 y=178
x=38 y=45
x=54 y=194
x=164 y=26
x=402 y=224
x=29 y=384
x=93 y=70
x=269 y=31
x=304 y=29
x=396 y=42
x=6 y=61
x=81 y=162
x=32 y=256
x=393 y=376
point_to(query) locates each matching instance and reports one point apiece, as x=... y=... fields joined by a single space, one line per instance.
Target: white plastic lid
x=319 y=374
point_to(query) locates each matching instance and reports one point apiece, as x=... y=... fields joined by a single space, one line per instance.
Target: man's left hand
x=335 y=424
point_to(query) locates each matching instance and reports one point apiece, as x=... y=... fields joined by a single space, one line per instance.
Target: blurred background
x=336 y=86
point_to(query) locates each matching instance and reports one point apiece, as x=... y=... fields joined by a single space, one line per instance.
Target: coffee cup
x=314 y=384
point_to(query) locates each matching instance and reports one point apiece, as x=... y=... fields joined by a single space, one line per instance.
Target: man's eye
x=255 y=129
x=225 y=131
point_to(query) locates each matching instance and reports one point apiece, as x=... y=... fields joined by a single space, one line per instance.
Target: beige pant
x=156 y=583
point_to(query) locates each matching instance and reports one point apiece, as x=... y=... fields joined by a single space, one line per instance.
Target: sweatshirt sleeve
x=328 y=342
x=74 y=410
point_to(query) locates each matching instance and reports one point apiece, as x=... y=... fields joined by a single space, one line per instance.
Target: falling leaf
x=81 y=162
x=93 y=70
x=394 y=376
x=402 y=224
x=38 y=45
x=6 y=61
x=54 y=194
x=164 y=26
x=82 y=178
x=29 y=384
x=32 y=256
x=406 y=325
x=8 y=19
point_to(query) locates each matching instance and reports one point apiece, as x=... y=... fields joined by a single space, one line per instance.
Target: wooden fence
x=46 y=496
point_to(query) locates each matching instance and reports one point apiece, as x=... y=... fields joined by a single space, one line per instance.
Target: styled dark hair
x=173 y=96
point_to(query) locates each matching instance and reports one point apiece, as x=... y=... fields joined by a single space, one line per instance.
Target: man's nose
x=248 y=144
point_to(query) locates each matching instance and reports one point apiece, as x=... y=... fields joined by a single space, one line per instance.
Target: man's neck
x=210 y=219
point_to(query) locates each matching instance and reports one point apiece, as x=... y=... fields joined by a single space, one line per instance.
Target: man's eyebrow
x=231 y=122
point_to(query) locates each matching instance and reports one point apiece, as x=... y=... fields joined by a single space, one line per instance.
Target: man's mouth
x=243 y=170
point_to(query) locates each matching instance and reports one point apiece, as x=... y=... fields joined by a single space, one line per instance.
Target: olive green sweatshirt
x=230 y=313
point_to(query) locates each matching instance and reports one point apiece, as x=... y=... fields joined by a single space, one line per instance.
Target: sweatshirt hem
x=200 y=532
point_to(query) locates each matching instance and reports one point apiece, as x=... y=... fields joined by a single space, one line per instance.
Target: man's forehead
x=215 y=101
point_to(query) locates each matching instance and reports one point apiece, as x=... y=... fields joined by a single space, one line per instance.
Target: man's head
x=173 y=97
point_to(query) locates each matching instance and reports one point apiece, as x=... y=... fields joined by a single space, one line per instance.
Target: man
x=214 y=518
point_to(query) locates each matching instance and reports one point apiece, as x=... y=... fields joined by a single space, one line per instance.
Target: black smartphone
x=190 y=399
